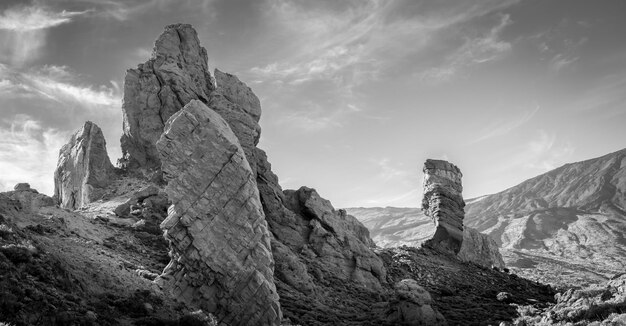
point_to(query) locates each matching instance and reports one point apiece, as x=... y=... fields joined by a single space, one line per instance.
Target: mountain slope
x=566 y=226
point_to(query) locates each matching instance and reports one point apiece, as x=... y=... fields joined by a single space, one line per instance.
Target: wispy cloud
x=389 y=171
x=28 y=152
x=545 y=153
x=503 y=127
x=23 y=31
x=410 y=198
x=124 y=10
x=23 y=19
x=59 y=84
x=479 y=50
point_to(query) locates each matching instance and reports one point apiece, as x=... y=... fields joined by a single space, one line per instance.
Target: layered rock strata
x=220 y=243
x=443 y=203
x=83 y=169
x=176 y=74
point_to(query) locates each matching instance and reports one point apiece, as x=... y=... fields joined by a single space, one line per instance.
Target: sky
x=356 y=94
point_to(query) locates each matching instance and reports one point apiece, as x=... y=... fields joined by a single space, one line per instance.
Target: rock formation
x=176 y=74
x=443 y=203
x=83 y=169
x=412 y=306
x=30 y=199
x=480 y=249
x=220 y=242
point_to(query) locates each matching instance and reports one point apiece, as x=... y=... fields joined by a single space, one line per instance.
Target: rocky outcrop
x=443 y=203
x=236 y=103
x=312 y=233
x=480 y=249
x=221 y=257
x=30 y=199
x=412 y=305
x=83 y=169
x=176 y=74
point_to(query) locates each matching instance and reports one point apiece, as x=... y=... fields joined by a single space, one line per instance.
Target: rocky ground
x=59 y=267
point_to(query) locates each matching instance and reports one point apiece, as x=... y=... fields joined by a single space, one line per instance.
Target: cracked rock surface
x=220 y=243
x=83 y=169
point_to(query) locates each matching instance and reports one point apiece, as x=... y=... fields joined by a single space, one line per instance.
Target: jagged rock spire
x=176 y=74
x=83 y=169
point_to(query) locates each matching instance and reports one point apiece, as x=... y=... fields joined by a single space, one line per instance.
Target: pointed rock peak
x=239 y=93
x=443 y=202
x=83 y=169
x=176 y=74
x=179 y=41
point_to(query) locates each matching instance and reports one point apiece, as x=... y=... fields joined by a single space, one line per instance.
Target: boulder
x=83 y=169
x=221 y=259
x=413 y=306
x=176 y=74
x=30 y=199
x=443 y=203
x=480 y=249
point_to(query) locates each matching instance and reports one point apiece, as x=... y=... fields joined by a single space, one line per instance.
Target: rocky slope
x=565 y=227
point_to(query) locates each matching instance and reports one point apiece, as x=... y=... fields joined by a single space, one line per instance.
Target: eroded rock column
x=443 y=202
x=83 y=169
x=220 y=243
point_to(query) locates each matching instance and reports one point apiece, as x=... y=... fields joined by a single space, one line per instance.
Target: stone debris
x=221 y=258
x=83 y=169
x=443 y=203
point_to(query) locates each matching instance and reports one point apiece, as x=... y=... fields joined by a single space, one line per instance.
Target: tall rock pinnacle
x=221 y=259
x=443 y=202
x=176 y=74
x=83 y=168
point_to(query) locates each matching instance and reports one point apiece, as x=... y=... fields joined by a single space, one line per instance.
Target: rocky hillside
x=565 y=227
x=568 y=223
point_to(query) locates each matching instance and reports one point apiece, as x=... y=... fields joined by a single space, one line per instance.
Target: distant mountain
x=566 y=226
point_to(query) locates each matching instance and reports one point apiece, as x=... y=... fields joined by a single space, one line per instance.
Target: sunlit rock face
x=220 y=243
x=176 y=74
x=83 y=169
x=443 y=203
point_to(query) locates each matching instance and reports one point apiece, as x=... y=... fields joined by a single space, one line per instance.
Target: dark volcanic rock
x=176 y=74
x=220 y=243
x=443 y=202
x=84 y=168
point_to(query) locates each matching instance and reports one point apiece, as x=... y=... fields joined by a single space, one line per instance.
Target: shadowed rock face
x=176 y=74
x=444 y=203
x=480 y=249
x=83 y=169
x=220 y=243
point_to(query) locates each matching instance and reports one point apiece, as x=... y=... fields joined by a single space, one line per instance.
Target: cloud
x=479 y=50
x=124 y=10
x=545 y=153
x=502 y=127
x=353 y=44
x=29 y=151
x=59 y=84
x=23 y=19
x=389 y=171
x=23 y=31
